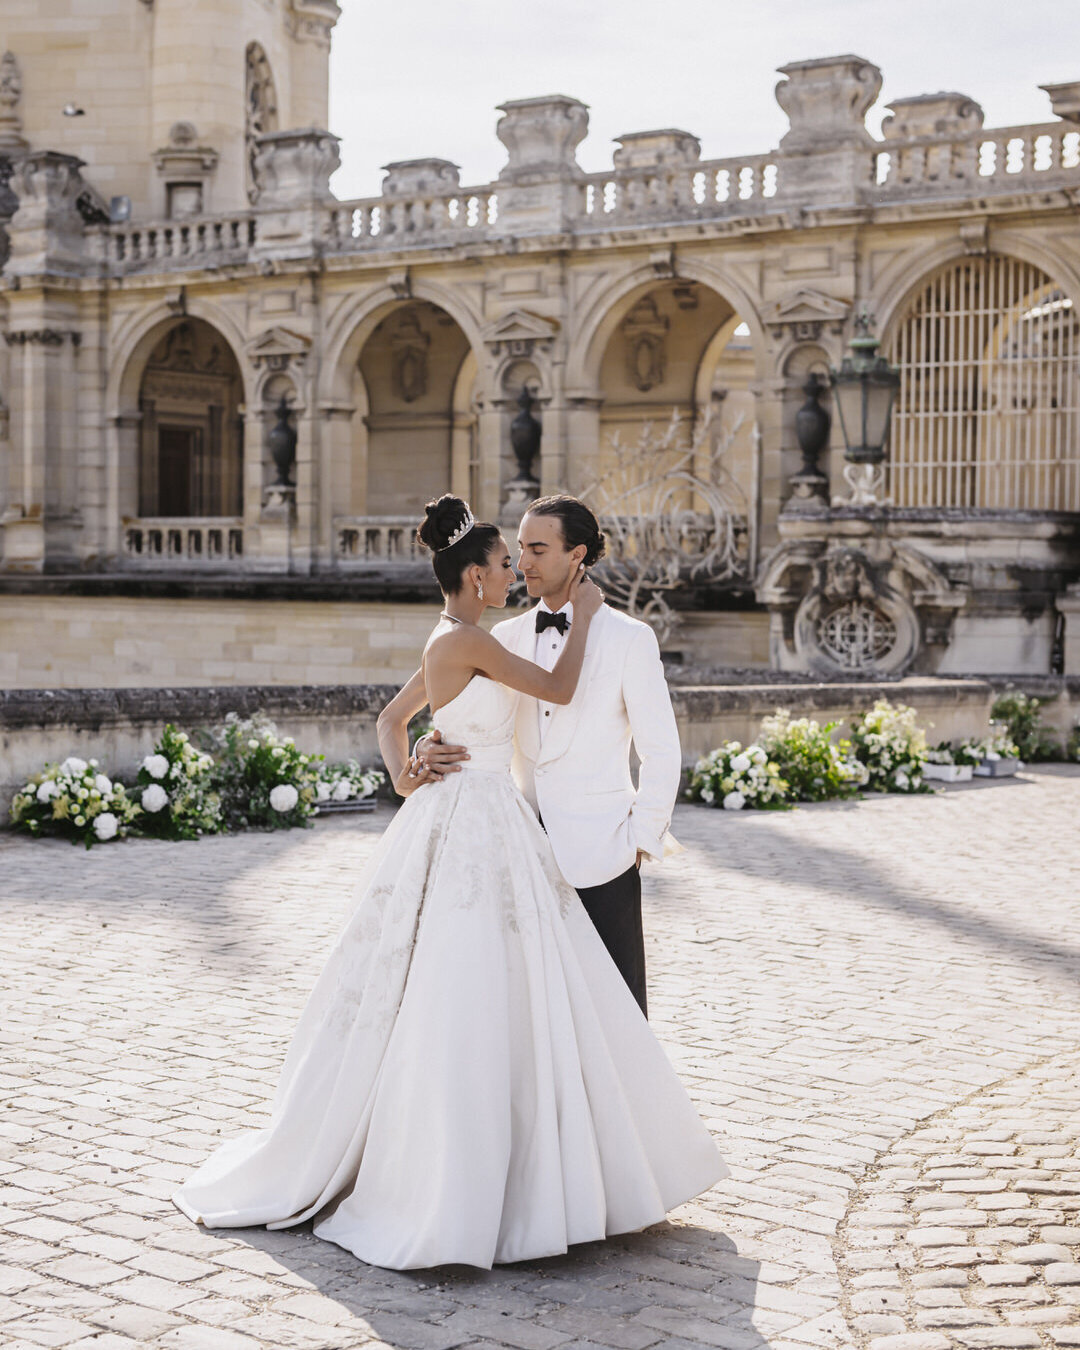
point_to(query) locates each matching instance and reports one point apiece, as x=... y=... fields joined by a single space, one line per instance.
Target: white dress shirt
x=549 y=644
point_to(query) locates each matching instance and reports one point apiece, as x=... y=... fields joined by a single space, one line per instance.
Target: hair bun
x=441 y=519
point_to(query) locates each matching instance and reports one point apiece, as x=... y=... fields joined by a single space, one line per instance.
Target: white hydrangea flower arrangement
x=176 y=789
x=264 y=780
x=75 y=800
x=346 y=783
x=816 y=766
x=892 y=746
x=733 y=778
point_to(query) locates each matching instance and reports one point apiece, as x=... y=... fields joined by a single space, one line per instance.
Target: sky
x=421 y=78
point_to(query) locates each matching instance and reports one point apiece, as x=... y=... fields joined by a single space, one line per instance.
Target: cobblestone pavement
x=876 y=1007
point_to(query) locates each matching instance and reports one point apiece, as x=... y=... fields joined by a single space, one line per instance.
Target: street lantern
x=864 y=389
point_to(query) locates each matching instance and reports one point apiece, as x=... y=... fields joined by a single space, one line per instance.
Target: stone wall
x=119 y=726
x=78 y=641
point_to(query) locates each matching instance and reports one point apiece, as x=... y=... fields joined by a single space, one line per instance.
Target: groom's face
x=543 y=558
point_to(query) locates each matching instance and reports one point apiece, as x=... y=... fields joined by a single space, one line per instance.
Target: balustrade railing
x=183 y=542
x=997 y=160
x=981 y=162
x=715 y=187
x=376 y=539
x=389 y=222
x=180 y=241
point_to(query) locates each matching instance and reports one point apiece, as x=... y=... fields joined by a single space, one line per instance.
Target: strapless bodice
x=481 y=718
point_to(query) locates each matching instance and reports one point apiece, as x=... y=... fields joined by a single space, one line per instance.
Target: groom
x=572 y=762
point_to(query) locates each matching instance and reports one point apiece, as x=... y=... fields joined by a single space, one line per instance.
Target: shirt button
x=547 y=712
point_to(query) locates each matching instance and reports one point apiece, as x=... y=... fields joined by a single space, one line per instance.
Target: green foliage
x=176 y=790
x=1023 y=718
x=815 y=766
x=263 y=780
x=889 y=743
x=733 y=778
x=75 y=801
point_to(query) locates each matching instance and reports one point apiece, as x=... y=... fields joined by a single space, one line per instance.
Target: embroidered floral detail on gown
x=471 y=1081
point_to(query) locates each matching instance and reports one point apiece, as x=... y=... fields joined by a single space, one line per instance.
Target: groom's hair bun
x=442 y=520
x=579 y=525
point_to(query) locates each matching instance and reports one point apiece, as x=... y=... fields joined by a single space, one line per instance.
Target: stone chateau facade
x=220 y=384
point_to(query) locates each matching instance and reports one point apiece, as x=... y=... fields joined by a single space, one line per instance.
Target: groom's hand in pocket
x=439 y=757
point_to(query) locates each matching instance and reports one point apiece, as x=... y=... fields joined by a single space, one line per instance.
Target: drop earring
x=479 y=590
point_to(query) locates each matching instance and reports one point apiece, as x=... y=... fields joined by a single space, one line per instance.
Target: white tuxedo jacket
x=579 y=779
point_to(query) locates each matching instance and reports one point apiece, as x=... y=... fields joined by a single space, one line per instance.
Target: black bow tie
x=545 y=619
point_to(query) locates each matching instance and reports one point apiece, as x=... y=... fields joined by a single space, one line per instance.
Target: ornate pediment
x=806 y=313
x=278 y=348
x=520 y=333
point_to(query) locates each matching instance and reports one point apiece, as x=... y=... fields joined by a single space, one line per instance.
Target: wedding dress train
x=471 y=1081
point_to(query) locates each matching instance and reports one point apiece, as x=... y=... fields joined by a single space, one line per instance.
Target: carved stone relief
x=644 y=330
x=409 y=362
x=261 y=108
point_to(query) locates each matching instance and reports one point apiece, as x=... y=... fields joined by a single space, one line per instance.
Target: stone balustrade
x=180 y=243
x=183 y=543
x=1003 y=160
x=998 y=160
x=678 y=192
x=367 y=540
x=398 y=221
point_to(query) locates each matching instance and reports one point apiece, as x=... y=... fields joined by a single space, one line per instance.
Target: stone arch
x=613 y=303
x=404 y=372
x=191 y=445
x=357 y=319
x=901 y=280
x=988 y=411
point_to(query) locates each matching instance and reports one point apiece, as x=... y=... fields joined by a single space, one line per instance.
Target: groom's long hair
x=579 y=525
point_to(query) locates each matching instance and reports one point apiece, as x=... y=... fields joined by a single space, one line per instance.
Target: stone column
x=41 y=521
x=540 y=188
x=828 y=152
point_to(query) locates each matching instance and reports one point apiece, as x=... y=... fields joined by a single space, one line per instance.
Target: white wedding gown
x=471 y=1080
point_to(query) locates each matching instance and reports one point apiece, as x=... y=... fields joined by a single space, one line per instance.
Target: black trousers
x=615 y=909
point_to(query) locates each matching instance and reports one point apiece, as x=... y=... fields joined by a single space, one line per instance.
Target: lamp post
x=864 y=390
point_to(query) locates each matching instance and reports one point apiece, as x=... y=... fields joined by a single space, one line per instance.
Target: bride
x=471 y=1081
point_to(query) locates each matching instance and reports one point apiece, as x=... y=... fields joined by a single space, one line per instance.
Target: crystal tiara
x=460 y=533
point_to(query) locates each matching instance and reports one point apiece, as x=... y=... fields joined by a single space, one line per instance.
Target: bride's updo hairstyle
x=443 y=520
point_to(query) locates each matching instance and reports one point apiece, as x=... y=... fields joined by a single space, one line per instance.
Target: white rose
x=342 y=790
x=47 y=790
x=74 y=765
x=154 y=798
x=734 y=801
x=756 y=754
x=106 y=825
x=283 y=797
x=277 y=751
x=740 y=763
x=902 y=780
x=708 y=795
x=103 y=784
x=322 y=791
x=157 y=766
x=253 y=745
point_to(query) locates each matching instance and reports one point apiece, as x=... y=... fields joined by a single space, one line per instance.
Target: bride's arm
x=393 y=732
x=488 y=655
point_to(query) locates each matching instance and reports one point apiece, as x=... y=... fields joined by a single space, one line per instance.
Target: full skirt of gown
x=471 y=1081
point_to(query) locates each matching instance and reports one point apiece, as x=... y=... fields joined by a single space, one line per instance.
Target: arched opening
x=190 y=429
x=417 y=437
x=988 y=412
x=260 y=106
x=679 y=365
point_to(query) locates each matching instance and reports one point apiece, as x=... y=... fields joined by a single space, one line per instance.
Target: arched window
x=988 y=413
x=261 y=112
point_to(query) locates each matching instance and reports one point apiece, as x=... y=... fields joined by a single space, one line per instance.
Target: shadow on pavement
x=676 y=1279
